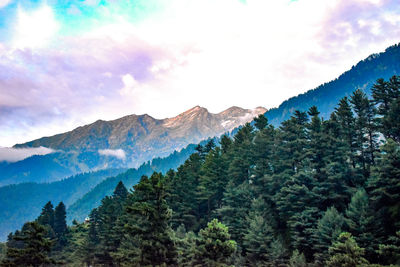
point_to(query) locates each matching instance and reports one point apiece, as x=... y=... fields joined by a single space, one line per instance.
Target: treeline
x=313 y=192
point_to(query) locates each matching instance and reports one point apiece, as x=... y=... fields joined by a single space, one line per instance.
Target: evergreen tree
x=241 y=155
x=212 y=182
x=35 y=248
x=186 y=246
x=120 y=191
x=345 y=118
x=365 y=143
x=260 y=233
x=297 y=260
x=60 y=223
x=47 y=215
x=328 y=230
x=182 y=194
x=346 y=253
x=147 y=223
x=384 y=187
x=390 y=251
x=214 y=246
x=360 y=221
x=260 y=122
x=236 y=205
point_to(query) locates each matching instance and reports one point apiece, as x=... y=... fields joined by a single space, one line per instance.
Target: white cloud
x=129 y=85
x=35 y=29
x=118 y=153
x=16 y=154
x=4 y=3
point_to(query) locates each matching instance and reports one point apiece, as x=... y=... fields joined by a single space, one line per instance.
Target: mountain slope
x=80 y=193
x=22 y=202
x=326 y=96
x=122 y=143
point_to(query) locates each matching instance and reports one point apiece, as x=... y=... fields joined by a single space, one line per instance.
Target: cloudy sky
x=67 y=63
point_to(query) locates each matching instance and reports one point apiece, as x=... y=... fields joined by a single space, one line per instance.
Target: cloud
x=172 y=60
x=4 y=3
x=16 y=154
x=118 y=153
x=35 y=29
x=129 y=85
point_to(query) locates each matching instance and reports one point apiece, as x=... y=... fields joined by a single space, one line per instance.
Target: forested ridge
x=313 y=192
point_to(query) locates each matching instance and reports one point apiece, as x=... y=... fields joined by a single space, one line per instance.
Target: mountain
x=22 y=202
x=326 y=96
x=121 y=143
x=81 y=193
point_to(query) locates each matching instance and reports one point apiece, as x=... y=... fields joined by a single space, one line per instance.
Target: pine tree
x=386 y=97
x=35 y=248
x=60 y=226
x=346 y=252
x=260 y=233
x=214 y=246
x=360 y=221
x=365 y=143
x=345 y=118
x=261 y=122
x=235 y=207
x=328 y=230
x=297 y=260
x=391 y=121
x=120 y=191
x=390 y=251
x=147 y=223
x=186 y=246
x=60 y=223
x=384 y=187
x=47 y=215
x=241 y=155
x=212 y=182
x=182 y=194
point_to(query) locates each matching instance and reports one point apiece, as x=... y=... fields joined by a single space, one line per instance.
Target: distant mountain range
x=81 y=193
x=121 y=143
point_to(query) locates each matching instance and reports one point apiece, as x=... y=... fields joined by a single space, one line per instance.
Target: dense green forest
x=313 y=192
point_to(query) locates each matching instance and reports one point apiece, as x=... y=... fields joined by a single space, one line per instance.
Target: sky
x=64 y=64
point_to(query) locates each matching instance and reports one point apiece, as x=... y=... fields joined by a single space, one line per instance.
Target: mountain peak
x=195 y=109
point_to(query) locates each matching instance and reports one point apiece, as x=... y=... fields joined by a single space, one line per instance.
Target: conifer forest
x=312 y=192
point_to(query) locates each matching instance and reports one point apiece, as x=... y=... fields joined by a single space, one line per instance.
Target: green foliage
x=360 y=221
x=390 y=251
x=260 y=233
x=385 y=187
x=33 y=250
x=214 y=246
x=328 y=230
x=297 y=260
x=46 y=218
x=146 y=223
x=346 y=253
x=260 y=122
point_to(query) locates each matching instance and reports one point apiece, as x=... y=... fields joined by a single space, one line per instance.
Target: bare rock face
x=142 y=137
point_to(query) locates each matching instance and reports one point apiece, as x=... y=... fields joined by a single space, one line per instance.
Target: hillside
x=81 y=193
x=326 y=96
x=21 y=202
